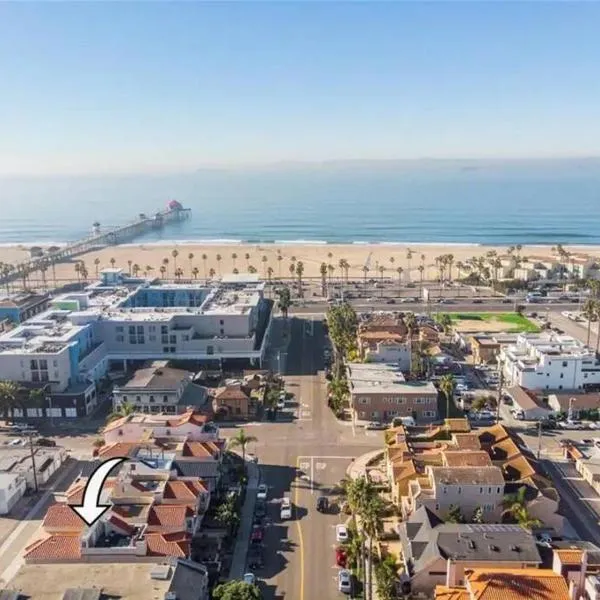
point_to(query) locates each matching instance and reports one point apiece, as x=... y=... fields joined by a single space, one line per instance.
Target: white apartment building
x=548 y=361
x=12 y=489
x=72 y=345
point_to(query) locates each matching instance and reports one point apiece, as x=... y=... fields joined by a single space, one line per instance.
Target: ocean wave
x=301 y=242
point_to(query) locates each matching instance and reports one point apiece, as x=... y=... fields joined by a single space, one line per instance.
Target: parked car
x=262 y=492
x=255 y=557
x=257 y=535
x=286 y=509
x=260 y=508
x=345 y=581
x=341 y=533
x=45 y=442
x=250 y=578
x=322 y=504
x=341 y=557
x=390 y=301
x=375 y=425
x=544 y=538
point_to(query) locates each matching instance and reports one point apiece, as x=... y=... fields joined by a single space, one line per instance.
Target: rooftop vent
x=472 y=545
x=515 y=548
x=494 y=548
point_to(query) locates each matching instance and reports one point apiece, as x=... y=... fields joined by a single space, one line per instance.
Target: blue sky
x=94 y=87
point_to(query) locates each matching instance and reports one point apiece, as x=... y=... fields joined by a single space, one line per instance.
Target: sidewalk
x=238 y=563
x=358 y=466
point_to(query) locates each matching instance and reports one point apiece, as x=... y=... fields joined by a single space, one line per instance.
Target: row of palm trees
x=591 y=310
x=15 y=397
x=366 y=507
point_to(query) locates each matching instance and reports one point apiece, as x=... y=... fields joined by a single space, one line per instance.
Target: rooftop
x=467 y=476
x=461 y=458
x=517 y=584
x=384 y=378
x=127 y=581
x=157 y=376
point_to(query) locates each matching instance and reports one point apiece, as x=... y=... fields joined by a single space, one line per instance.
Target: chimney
x=451 y=573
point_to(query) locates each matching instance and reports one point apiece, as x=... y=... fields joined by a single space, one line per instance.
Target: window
x=70 y=412
x=221 y=322
x=132 y=329
x=152 y=328
x=33 y=364
x=151 y=399
x=210 y=349
x=55 y=363
x=138 y=399
x=172 y=349
x=152 y=338
x=564 y=363
x=445 y=489
x=185 y=338
x=562 y=376
x=221 y=331
x=35 y=376
x=140 y=329
x=164 y=329
x=489 y=490
x=364 y=400
x=481 y=490
x=120 y=338
x=459 y=489
x=165 y=399
x=44 y=376
x=165 y=349
x=124 y=398
x=498 y=490
x=43 y=364
x=119 y=328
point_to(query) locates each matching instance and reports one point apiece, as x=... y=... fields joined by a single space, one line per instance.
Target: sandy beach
x=204 y=257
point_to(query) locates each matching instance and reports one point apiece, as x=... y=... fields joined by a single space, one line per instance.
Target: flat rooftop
x=157 y=376
x=382 y=378
x=127 y=581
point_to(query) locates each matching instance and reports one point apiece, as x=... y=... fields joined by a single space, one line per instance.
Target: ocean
x=432 y=202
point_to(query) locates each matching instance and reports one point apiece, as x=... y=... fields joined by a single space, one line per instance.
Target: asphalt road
x=465 y=304
x=303 y=455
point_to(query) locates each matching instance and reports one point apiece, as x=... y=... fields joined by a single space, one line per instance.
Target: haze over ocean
x=471 y=202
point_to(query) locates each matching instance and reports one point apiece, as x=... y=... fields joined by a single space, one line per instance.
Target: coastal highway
x=458 y=305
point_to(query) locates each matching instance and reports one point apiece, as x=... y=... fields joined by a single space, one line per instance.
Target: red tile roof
x=74 y=494
x=190 y=416
x=169 y=515
x=184 y=490
x=200 y=449
x=168 y=544
x=55 y=547
x=62 y=516
x=120 y=524
x=116 y=450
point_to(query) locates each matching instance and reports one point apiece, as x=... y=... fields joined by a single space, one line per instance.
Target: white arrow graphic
x=91 y=510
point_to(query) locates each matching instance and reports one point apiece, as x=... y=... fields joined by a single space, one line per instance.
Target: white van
x=286 y=509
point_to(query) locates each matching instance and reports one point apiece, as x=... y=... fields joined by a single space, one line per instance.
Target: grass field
x=509 y=322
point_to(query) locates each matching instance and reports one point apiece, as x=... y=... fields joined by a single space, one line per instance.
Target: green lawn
x=519 y=323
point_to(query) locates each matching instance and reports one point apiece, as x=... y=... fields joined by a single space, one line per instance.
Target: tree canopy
x=237 y=590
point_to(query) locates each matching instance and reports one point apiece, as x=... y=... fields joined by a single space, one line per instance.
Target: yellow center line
x=301 y=540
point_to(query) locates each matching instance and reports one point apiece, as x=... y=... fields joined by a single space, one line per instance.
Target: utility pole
x=500 y=386
x=31 y=451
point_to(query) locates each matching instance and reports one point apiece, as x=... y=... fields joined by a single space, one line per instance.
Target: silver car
x=345 y=581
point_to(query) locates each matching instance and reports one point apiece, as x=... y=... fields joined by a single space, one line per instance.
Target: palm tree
x=212 y=273
x=447 y=388
x=330 y=271
x=236 y=271
x=381 y=272
x=84 y=272
x=219 y=259
x=516 y=509
x=589 y=312
x=77 y=268
x=136 y=269
x=264 y=261
x=204 y=258
x=241 y=440
x=450 y=259
x=392 y=260
x=365 y=271
x=399 y=270
x=279 y=259
x=195 y=272
x=112 y=262
x=269 y=274
x=371 y=525
x=323 y=272
x=247 y=257
x=175 y=254
x=421 y=270
x=165 y=263
x=233 y=259
x=292 y=269
x=251 y=269
x=125 y=409
x=129 y=263
x=190 y=259
x=163 y=271
x=409 y=255
x=147 y=270
x=43 y=269
x=299 y=273
x=9 y=397
x=97 y=265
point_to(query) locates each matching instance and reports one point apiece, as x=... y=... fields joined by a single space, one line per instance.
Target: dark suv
x=322 y=504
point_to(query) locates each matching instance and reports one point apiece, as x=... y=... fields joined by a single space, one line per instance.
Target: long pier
x=173 y=213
